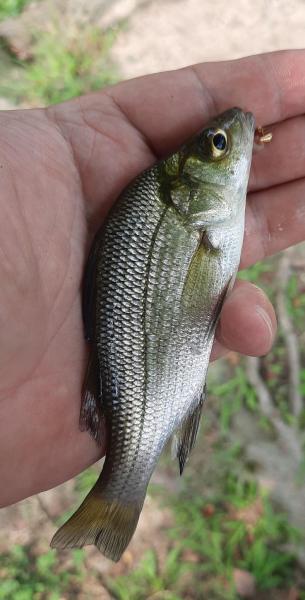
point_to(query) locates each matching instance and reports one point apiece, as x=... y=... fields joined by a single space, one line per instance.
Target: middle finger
x=275 y=220
x=282 y=160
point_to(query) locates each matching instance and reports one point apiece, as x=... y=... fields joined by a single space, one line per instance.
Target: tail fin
x=107 y=524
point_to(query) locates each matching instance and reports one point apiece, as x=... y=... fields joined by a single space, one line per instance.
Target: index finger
x=134 y=122
x=169 y=107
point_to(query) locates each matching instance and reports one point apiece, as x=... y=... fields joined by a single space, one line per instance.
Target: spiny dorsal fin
x=185 y=437
x=91 y=413
x=89 y=289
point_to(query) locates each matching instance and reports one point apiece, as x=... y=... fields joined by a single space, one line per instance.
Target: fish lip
x=246 y=117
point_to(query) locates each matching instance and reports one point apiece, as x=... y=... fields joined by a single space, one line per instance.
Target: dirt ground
x=168 y=34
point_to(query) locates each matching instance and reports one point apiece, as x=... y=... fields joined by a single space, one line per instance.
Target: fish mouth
x=250 y=120
x=245 y=118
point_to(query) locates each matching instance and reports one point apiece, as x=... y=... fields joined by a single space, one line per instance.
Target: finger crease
x=276 y=88
x=205 y=92
x=262 y=226
x=132 y=123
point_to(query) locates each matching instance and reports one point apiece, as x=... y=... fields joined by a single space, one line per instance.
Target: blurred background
x=234 y=525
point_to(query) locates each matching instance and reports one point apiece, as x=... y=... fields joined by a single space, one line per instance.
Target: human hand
x=63 y=167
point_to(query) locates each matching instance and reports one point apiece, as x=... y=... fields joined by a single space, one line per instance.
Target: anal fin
x=91 y=413
x=185 y=437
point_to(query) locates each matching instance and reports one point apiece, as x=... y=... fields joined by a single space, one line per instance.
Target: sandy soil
x=167 y=34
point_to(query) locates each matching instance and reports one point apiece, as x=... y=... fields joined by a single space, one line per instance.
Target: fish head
x=215 y=165
x=221 y=152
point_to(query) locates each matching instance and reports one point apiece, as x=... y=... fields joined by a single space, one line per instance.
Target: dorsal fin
x=89 y=289
x=91 y=414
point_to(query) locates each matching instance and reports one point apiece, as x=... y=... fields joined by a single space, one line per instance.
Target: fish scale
x=134 y=299
x=156 y=278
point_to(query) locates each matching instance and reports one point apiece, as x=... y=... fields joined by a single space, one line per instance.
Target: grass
x=222 y=538
x=25 y=576
x=257 y=272
x=65 y=62
x=150 y=579
x=274 y=368
x=67 y=65
x=237 y=529
x=11 y=8
x=240 y=392
x=296 y=302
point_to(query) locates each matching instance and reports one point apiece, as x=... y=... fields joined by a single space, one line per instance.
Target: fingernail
x=264 y=315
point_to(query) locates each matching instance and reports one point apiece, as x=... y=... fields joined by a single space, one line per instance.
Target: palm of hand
x=44 y=242
x=43 y=237
x=58 y=167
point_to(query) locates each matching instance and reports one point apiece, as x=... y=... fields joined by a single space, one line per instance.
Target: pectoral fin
x=185 y=437
x=196 y=286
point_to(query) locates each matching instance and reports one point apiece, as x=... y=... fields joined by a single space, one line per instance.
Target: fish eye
x=219 y=143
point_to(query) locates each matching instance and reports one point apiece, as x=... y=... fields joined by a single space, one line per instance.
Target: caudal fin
x=107 y=524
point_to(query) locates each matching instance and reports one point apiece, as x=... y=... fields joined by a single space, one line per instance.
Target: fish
x=156 y=277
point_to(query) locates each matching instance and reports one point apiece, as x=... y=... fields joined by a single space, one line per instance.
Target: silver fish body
x=158 y=273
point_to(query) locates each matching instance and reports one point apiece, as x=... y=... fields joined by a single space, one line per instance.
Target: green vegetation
x=67 y=65
x=238 y=389
x=151 y=579
x=64 y=63
x=11 y=8
x=25 y=576
x=237 y=529
x=296 y=302
x=257 y=272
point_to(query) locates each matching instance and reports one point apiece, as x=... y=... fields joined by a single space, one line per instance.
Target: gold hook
x=263 y=136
